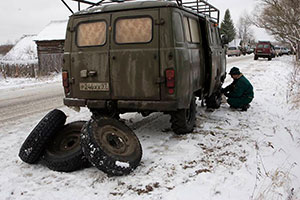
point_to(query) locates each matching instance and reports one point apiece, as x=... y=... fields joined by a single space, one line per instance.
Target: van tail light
x=65 y=77
x=170 y=80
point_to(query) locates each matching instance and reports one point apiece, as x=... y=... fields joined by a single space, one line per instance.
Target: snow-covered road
x=19 y=103
x=230 y=155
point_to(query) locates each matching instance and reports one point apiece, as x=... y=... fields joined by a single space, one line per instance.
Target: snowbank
x=18 y=83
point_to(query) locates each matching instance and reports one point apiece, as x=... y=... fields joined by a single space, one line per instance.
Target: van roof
x=127 y=5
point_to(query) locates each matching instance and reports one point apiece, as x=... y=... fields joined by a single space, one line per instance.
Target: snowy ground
x=20 y=83
x=231 y=154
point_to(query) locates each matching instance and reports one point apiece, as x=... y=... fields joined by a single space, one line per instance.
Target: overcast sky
x=18 y=17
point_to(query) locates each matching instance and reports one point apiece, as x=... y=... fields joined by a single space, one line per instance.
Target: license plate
x=104 y=87
x=259 y=51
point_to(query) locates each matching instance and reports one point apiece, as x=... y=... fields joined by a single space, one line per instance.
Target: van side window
x=195 y=33
x=213 y=34
x=133 y=30
x=187 y=29
x=91 y=34
x=218 y=40
x=177 y=26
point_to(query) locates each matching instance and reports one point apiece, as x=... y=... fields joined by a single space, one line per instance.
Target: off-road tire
x=183 y=120
x=111 y=146
x=35 y=143
x=214 y=101
x=63 y=153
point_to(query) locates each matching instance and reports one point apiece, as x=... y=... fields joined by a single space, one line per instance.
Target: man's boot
x=245 y=107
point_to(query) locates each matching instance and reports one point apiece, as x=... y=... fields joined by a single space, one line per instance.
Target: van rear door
x=90 y=56
x=134 y=55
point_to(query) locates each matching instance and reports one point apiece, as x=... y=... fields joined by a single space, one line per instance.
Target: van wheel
x=183 y=120
x=35 y=143
x=255 y=57
x=111 y=146
x=214 y=101
x=63 y=153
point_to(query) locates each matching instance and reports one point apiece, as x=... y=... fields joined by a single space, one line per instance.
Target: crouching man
x=239 y=92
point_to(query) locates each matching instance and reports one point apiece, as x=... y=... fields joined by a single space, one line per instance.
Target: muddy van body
x=143 y=56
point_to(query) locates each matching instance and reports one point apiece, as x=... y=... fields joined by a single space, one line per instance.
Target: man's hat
x=235 y=71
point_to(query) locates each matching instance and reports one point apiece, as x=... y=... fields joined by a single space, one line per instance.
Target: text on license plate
x=94 y=87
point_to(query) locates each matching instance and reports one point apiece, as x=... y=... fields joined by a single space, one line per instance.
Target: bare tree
x=244 y=31
x=280 y=18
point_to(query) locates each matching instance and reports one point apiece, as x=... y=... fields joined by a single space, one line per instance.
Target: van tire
x=63 y=153
x=34 y=145
x=214 y=101
x=183 y=120
x=255 y=57
x=111 y=146
x=269 y=58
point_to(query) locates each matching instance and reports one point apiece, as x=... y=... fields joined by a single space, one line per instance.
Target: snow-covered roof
x=55 y=30
x=24 y=52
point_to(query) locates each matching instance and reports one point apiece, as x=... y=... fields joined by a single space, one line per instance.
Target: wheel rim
x=65 y=142
x=70 y=142
x=115 y=141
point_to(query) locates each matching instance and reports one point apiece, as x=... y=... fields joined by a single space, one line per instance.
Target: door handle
x=92 y=73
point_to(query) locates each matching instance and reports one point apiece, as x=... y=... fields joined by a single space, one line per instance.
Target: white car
x=233 y=51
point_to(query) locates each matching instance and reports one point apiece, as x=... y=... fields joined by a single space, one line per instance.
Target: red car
x=264 y=49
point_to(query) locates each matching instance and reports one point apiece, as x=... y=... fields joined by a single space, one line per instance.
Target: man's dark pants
x=238 y=102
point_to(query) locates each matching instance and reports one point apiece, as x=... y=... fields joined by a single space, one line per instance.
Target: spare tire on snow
x=63 y=152
x=111 y=146
x=35 y=143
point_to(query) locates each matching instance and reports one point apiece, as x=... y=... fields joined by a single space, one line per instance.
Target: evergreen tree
x=227 y=26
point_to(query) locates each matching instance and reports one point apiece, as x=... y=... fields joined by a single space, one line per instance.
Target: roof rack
x=201 y=7
x=197 y=6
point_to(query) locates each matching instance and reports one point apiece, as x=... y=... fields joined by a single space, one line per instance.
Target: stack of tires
x=105 y=143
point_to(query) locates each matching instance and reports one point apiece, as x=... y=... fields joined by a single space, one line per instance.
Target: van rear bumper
x=124 y=104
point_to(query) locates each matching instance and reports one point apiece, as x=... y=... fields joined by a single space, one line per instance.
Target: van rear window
x=91 y=34
x=133 y=30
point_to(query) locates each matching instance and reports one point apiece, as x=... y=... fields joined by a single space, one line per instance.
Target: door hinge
x=159 y=21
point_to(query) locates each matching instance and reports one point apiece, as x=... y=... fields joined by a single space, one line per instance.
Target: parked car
x=250 y=50
x=285 y=51
x=233 y=51
x=278 y=50
x=264 y=49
